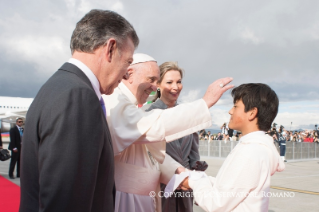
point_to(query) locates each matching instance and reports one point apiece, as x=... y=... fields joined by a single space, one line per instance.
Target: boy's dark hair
x=260 y=96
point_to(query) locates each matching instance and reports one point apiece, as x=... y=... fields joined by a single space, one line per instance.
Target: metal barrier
x=294 y=150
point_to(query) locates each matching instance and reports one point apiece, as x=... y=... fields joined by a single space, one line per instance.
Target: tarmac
x=300 y=180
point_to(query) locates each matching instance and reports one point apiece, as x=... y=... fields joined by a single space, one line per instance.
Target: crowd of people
x=226 y=134
x=289 y=135
x=295 y=136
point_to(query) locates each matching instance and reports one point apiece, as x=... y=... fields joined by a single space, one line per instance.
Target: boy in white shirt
x=243 y=181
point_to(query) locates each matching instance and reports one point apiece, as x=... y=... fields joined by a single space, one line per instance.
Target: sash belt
x=134 y=179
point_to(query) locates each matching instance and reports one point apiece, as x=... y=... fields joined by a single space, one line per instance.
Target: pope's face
x=113 y=73
x=171 y=86
x=145 y=80
x=238 y=116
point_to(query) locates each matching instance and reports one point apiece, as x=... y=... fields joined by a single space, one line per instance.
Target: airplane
x=12 y=108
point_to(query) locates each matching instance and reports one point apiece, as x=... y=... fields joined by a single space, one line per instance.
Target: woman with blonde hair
x=183 y=150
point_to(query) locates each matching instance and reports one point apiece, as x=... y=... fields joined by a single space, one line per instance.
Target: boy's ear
x=252 y=114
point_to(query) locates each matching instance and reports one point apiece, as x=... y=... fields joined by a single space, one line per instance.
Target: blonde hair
x=164 y=68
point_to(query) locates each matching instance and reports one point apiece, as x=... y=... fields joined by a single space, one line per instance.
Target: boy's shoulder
x=257 y=145
x=256 y=138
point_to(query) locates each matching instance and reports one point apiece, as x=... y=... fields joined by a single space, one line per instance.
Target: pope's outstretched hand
x=216 y=90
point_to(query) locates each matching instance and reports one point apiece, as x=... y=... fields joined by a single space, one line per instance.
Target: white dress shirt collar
x=251 y=134
x=95 y=83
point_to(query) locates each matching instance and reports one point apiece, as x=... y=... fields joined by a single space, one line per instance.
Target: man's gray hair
x=97 y=27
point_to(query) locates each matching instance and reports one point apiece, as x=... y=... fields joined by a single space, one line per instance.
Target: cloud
x=304 y=120
x=249 y=35
x=272 y=42
x=192 y=95
x=219 y=116
x=117 y=6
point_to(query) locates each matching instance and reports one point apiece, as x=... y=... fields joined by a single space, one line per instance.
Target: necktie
x=21 y=131
x=103 y=106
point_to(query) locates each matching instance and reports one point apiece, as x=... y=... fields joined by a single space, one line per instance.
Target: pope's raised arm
x=129 y=125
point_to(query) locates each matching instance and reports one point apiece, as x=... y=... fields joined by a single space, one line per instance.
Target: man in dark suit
x=0 y=140
x=16 y=133
x=67 y=157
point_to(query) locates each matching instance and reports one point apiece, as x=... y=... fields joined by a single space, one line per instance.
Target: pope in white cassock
x=139 y=138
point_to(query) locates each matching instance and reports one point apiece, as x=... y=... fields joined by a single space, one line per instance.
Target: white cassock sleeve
x=235 y=179
x=168 y=169
x=129 y=125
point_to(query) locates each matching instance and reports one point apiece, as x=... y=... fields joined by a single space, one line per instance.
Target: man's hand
x=184 y=185
x=216 y=90
x=178 y=171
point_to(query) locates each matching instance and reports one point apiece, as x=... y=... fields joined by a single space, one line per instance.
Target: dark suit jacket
x=67 y=159
x=15 y=139
x=0 y=138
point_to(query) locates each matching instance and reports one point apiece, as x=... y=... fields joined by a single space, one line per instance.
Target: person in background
x=316 y=139
x=224 y=128
x=282 y=142
x=0 y=140
x=234 y=137
x=212 y=137
x=226 y=138
x=202 y=134
x=219 y=136
x=230 y=132
x=16 y=134
x=184 y=150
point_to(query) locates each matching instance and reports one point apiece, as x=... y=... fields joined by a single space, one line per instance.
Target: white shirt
x=246 y=170
x=256 y=133
x=94 y=81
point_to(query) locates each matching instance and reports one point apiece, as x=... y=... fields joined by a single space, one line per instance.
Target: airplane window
x=18 y=107
x=0 y=106
x=14 y=107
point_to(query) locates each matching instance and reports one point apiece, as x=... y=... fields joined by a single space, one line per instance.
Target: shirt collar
x=251 y=134
x=127 y=93
x=95 y=83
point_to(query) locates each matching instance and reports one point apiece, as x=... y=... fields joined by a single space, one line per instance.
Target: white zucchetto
x=142 y=58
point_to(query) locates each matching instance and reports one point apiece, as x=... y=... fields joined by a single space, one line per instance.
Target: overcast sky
x=273 y=42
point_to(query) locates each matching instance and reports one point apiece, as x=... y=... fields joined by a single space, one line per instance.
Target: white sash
x=135 y=179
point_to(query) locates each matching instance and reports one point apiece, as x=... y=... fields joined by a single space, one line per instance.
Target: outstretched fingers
x=216 y=90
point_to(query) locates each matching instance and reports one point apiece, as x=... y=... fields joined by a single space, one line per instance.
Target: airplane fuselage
x=12 y=108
